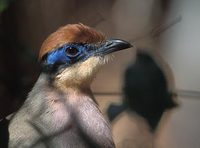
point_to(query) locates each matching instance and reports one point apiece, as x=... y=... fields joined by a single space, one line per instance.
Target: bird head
x=73 y=54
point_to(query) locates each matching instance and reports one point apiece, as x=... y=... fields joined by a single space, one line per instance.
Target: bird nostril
x=109 y=43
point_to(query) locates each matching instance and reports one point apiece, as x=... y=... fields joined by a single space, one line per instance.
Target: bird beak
x=112 y=45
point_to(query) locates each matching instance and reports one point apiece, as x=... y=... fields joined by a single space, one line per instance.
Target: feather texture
x=71 y=33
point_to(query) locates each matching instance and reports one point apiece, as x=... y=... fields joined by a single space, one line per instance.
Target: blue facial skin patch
x=67 y=55
x=60 y=55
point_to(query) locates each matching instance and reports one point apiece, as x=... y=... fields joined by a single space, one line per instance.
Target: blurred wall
x=180 y=48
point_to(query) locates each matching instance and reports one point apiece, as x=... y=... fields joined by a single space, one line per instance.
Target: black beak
x=113 y=45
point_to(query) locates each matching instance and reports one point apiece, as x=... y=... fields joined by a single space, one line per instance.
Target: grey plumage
x=55 y=120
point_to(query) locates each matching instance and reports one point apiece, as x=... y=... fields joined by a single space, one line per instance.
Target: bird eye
x=71 y=51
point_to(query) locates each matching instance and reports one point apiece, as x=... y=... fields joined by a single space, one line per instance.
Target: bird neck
x=81 y=74
x=50 y=84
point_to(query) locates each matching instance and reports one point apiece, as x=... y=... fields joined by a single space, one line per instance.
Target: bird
x=60 y=110
x=146 y=97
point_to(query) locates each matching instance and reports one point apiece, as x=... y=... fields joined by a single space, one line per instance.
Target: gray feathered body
x=59 y=118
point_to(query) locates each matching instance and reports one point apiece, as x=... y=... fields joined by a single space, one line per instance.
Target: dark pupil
x=71 y=51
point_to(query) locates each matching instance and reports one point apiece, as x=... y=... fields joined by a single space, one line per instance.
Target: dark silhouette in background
x=4 y=134
x=18 y=69
x=145 y=91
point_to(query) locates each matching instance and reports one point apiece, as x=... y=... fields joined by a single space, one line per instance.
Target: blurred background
x=168 y=30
